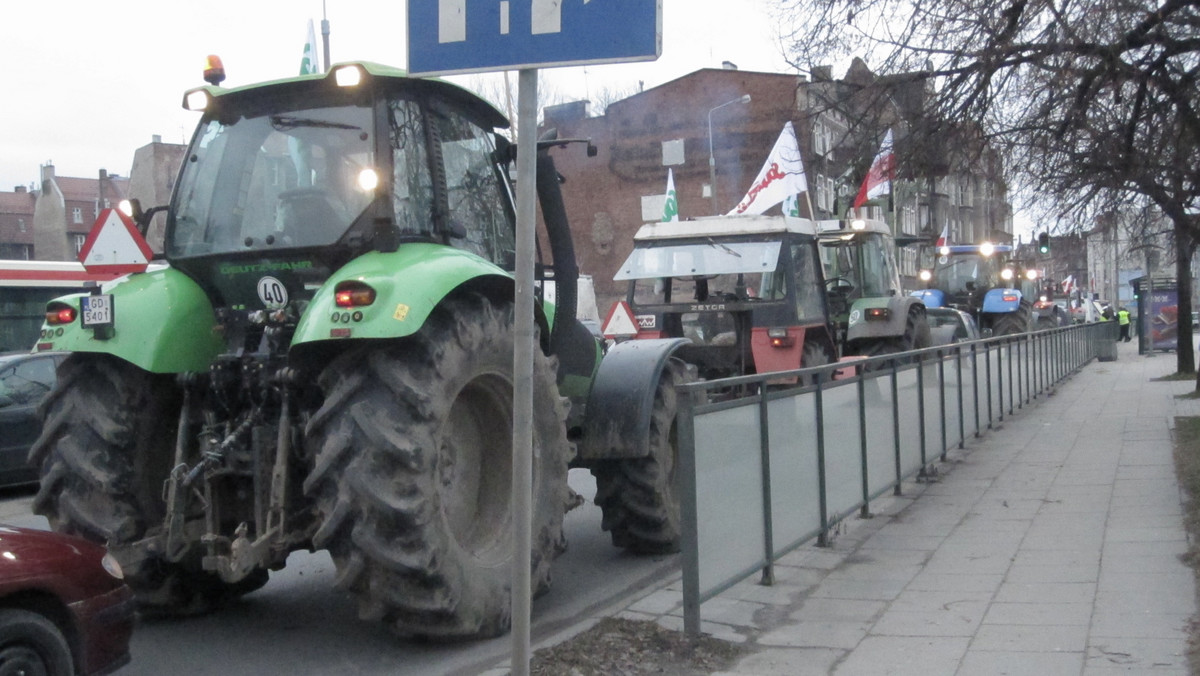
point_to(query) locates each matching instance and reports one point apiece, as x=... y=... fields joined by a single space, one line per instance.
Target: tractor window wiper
x=715 y=244
x=286 y=122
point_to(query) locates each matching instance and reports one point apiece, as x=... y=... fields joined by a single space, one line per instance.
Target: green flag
x=309 y=63
x=670 y=206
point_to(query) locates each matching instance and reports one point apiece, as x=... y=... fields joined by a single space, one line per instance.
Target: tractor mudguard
x=409 y=283
x=931 y=297
x=162 y=322
x=617 y=421
x=1001 y=301
x=894 y=324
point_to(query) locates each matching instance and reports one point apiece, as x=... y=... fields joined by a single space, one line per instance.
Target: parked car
x=947 y=325
x=64 y=608
x=25 y=379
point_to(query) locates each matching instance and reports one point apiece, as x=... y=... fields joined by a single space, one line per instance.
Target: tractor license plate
x=96 y=310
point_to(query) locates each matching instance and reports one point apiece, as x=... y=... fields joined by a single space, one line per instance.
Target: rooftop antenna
x=325 y=34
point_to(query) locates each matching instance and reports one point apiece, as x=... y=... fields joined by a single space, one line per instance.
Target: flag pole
x=325 y=34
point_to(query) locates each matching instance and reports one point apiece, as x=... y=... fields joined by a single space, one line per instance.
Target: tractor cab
x=285 y=183
x=871 y=314
x=745 y=291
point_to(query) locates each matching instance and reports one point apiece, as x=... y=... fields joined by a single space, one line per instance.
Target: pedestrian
x=1123 y=320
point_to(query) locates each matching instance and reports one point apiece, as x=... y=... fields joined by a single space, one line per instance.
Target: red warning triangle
x=619 y=323
x=115 y=245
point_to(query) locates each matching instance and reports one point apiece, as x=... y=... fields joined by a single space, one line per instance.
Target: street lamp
x=712 y=163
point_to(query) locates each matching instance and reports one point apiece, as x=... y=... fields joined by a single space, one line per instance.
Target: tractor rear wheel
x=814 y=354
x=1013 y=322
x=412 y=472
x=106 y=448
x=639 y=497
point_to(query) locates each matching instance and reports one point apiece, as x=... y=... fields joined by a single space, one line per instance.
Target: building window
x=77 y=215
x=20 y=252
x=78 y=240
x=21 y=224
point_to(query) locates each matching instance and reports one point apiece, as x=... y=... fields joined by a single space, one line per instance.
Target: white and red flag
x=879 y=178
x=944 y=238
x=782 y=175
x=1068 y=284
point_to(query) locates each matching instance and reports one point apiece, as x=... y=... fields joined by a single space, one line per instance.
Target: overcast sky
x=86 y=83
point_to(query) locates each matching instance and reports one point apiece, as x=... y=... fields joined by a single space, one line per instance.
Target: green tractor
x=325 y=362
x=872 y=314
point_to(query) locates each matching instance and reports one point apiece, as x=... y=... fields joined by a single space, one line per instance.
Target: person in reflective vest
x=1123 y=320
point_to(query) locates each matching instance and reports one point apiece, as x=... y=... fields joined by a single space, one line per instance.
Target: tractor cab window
x=961 y=274
x=860 y=266
x=479 y=212
x=878 y=262
x=412 y=183
x=282 y=180
x=809 y=301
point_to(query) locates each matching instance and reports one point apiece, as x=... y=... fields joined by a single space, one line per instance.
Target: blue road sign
x=466 y=36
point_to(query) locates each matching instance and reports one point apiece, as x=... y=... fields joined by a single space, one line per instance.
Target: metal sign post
x=522 y=478
x=443 y=38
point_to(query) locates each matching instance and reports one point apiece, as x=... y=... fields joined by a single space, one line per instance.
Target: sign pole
x=522 y=447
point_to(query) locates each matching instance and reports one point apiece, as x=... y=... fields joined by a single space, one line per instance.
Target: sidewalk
x=1049 y=546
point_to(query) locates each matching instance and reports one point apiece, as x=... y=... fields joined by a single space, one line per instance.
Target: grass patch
x=1187 y=468
x=1177 y=376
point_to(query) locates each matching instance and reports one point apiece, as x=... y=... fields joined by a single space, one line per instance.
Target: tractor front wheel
x=105 y=450
x=639 y=497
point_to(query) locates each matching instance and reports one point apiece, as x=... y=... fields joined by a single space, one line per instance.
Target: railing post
x=942 y=400
x=987 y=363
x=764 y=442
x=896 y=429
x=689 y=529
x=865 y=511
x=823 y=537
x=921 y=432
x=962 y=425
x=975 y=387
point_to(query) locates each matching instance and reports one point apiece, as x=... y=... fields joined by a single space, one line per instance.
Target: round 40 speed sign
x=272 y=293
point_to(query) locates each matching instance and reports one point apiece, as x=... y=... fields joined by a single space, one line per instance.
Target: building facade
x=50 y=222
x=714 y=142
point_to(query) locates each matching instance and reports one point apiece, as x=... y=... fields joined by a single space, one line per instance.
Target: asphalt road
x=298 y=624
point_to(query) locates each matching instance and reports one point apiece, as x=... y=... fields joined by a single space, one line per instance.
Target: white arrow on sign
x=545 y=17
x=115 y=245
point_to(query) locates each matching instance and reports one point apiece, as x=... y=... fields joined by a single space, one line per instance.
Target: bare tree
x=500 y=90
x=1094 y=102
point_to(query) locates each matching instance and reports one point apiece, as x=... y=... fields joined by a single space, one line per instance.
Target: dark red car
x=63 y=606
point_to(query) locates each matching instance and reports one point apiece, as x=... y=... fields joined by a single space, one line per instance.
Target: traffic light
x=1044 y=242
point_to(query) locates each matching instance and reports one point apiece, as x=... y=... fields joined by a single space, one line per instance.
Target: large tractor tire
x=1012 y=323
x=106 y=448
x=639 y=497
x=815 y=353
x=412 y=473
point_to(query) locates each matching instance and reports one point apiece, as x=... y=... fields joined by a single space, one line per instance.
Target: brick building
x=52 y=221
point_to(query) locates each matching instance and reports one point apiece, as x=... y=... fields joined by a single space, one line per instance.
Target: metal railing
x=765 y=467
